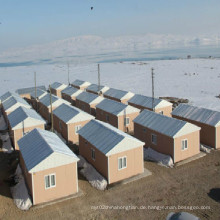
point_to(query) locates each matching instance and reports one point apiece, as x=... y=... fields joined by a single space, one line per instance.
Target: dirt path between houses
x=186 y=185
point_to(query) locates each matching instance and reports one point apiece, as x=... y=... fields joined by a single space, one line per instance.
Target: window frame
x=161 y=112
x=185 y=145
x=77 y=129
x=125 y=121
x=50 y=175
x=153 y=135
x=107 y=118
x=60 y=125
x=93 y=153
x=122 y=158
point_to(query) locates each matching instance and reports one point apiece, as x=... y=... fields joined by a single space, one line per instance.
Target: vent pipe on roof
x=152 y=76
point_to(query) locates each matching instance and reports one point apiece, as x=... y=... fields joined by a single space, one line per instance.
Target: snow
x=195 y=79
x=20 y=193
x=162 y=159
x=7 y=146
x=3 y=125
x=205 y=148
x=90 y=173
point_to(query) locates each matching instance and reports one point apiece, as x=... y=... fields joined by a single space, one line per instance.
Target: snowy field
x=195 y=79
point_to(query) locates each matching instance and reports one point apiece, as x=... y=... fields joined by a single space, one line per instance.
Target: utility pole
x=51 y=110
x=99 y=87
x=35 y=85
x=68 y=67
x=152 y=76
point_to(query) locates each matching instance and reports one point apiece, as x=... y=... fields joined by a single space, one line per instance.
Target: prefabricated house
x=68 y=120
x=87 y=102
x=48 y=165
x=117 y=114
x=13 y=103
x=21 y=121
x=114 y=154
x=35 y=96
x=80 y=84
x=25 y=92
x=56 y=88
x=70 y=93
x=207 y=119
x=144 y=102
x=98 y=90
x=167 y=135
x=45 y=105
x=118 y=95
x=6 y=96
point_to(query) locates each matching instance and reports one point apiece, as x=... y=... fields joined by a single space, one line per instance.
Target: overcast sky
x=27 y=22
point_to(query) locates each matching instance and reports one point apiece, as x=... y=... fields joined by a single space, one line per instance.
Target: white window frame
x=160 y=112
x=184 y=145
x=52 y=174
x=153 y=135
x=125 y=121
x=93 y=153
x=122 y=158
x=77 y=128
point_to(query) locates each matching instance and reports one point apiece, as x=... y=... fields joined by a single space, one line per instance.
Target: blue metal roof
x=160 y=123
x=144 y=101
x=21 y=113
x=102 y=135
x=29 y=90
x=201 y=115
x=94 y=88
x=87 y=97
x=12 y=101
x=39 y=92
x=7 y=95
x=69 y=90
x=56 y=85
x=66 y=112
x=115 y=93
x=39 y=144
x=46 y=99
x=78 y=82
x=111 y=106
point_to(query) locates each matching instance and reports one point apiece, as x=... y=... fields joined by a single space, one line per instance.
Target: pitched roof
x=194 y=113
x=95 y=88
x=146 y=101
x=165 y=125
x=78 y=82
x=39 y=93
x=42 y=150
x=108 y=139
x=22 y=113
x=89 y=98
x=116 y=108
x=7 y=95
x=45 y=100
x=14 y=100
x=29 y=90
x=57 y=85
x=70 y=114
x=118 y=94
x=70 y=90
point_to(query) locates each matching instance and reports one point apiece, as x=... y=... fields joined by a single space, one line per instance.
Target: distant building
x=21 y=121
x=48 y=165
x=207 y=119
x=80 y=84
x=25 y=92
x=56 y=88
x=68 y=120
x=70 y=93
x=142 y=102
x=176 y=138
x=114 y=154
x=117 y=114
x=94 y=88
x=87 y=102
x=118 y=95
x=45 y=105
x=35 y=96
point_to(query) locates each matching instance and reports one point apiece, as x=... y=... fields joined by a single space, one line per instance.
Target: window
x=122 y=163
x=107 y=117
x=154 y=139
x=60 y=125
x=161 y=112
x=86 y=142
x=184 y=144
x=50 y=181
x=144 y=130
x=93 y=154
x=77 y=128
x=83 y=107
x=126 y=121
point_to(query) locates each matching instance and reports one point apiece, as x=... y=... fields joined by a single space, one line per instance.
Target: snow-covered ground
x=195 y=79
